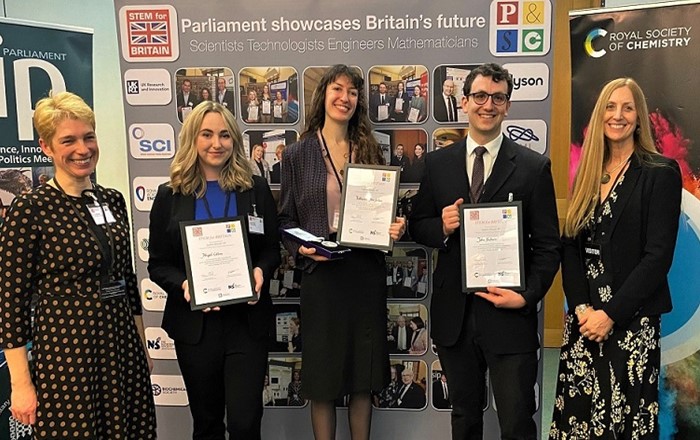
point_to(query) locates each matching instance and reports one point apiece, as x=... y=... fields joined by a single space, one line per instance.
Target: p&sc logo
x=520 y=27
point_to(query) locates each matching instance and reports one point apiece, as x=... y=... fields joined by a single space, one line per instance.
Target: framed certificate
x=368 y=206
x=217 y=261
x=492 y=246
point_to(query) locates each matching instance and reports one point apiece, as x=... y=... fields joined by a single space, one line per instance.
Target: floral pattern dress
x=607 y=390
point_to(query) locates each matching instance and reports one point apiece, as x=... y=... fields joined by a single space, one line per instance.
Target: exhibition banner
x=658 y=46
x=35 y=58
x=262 y=61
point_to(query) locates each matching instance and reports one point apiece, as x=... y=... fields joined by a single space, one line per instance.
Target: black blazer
x=440 y=109
x=227 y=101
x=640 y=245
x=527 y=175
x=166 y=264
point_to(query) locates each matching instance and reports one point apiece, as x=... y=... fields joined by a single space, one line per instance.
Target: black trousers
x=225 y=371
x=512 y=381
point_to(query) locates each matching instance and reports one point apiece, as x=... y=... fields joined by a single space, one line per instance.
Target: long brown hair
x=366 y=148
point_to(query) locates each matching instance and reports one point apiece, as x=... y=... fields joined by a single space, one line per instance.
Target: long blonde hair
x=186 y=176
x=596 y=152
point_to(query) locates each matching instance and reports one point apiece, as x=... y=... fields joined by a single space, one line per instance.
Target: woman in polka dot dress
x=67 y=242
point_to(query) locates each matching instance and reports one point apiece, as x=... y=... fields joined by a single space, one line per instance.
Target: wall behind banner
x=98 y=15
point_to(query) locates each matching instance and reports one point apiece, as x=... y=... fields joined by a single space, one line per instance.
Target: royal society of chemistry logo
x=520 y=28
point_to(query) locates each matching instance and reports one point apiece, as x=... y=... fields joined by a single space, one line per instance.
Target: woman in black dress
x=68 y=243
x=619 y=238
x=343 y=302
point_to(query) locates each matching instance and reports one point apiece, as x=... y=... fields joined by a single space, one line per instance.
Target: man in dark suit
x=185 y=99
x=401 y=336
x=399 y=104
x=398 y=159
x=446 y=104
x=495 y=328
x=411 y=395
x=223 y=96
x=377 y=100
x=441 y=393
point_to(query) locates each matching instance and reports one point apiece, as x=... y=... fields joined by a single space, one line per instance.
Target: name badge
x=98 y=214
x=256 y=225
x=592 y=250
x=336 y=219
x=112 y=289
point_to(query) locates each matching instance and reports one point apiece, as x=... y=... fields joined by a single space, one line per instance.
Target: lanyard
x=330 y=158
x=226 y=205
x=96 y=197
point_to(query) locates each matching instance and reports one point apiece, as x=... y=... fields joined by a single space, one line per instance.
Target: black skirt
x=343 y=309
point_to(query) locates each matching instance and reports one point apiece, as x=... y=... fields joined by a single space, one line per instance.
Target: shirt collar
x=492 y=147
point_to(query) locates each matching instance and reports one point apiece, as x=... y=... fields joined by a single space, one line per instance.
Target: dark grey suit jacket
x=527 y=176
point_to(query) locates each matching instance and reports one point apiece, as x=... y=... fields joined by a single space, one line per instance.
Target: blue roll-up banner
x=35 y=58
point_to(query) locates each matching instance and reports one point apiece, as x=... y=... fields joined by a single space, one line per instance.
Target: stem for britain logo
x=520 y=27
x=149 y=33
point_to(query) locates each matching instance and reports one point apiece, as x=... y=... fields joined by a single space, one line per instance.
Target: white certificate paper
x=368 y=206
x=217 y=261
x=492 y=246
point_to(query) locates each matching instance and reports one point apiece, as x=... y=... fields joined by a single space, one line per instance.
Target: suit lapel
x=243 y=202
x=502 y=169
x=624 y=192
x=456 y=173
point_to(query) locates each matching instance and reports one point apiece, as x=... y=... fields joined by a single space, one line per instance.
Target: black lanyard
x=96 y=197
x=226 y=205
x=330 y=159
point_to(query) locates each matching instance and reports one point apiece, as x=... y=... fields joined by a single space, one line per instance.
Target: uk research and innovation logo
x=520 y=28
x=588 y=43
x=147 y=87
x=149 y=33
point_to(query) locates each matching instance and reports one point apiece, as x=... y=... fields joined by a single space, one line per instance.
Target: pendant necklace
x=605 y=178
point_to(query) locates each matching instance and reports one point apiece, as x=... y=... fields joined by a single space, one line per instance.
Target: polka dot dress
x=90 y=369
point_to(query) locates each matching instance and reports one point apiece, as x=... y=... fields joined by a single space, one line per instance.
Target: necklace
x=605 y=178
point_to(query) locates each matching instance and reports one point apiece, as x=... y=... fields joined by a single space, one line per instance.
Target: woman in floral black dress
x=619 y=238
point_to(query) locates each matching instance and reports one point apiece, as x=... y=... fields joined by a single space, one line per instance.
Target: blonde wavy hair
x=186 y=176
x=57 y=107
x=596 y=153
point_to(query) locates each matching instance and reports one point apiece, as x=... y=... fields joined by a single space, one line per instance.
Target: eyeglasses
x=480 y=98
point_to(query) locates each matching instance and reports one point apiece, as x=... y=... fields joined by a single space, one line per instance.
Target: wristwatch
x=581 y=308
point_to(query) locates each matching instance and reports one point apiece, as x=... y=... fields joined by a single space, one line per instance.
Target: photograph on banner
x=267 y=94
x=312 y=76
x=284 y=376
x=404 y=207
x=407 y=386
x=286 y=279
x=197 y=84
x=448 y=86
x=265 y=148
x=407 y=329
x=407 y=149
x=398 y=94
x=444 y=137
x=407 y=272
x=440 y=391
x=14 y=182
x=287 y=335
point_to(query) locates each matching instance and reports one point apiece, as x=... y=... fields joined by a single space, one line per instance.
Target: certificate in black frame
x=471 y=213
x=392 y=172
x=226 y=224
